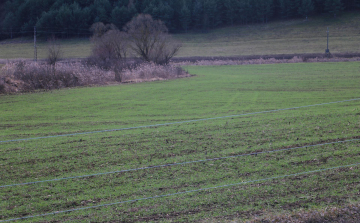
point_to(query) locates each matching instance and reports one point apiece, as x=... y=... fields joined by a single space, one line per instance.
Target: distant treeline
x=74 y=17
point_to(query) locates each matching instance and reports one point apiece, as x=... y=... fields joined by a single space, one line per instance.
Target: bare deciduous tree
x=54 y=51
x=150 y=39
x=165 y=49
x=110 y=51
x=112 y=45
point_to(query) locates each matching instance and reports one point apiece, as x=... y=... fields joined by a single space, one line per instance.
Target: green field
x=213 y=92
x=279 y=37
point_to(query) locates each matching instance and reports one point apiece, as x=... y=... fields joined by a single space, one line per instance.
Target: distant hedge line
x=74 y=17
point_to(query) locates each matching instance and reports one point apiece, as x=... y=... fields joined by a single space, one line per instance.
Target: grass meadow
x=277 y=37
x=215 y=91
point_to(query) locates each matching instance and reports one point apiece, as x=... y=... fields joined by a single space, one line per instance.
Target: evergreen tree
x=269 y=10
x=350 y=4
x=319 y=6
x=219 y=9
x=177 y=5
x=12 y=6
x=80 y=17
x=152 y=10
x=121 y=3
x=210 y=16
x=48 y=20
x=9 y=22
x=185 y=16
x=28 y=27
x=176 y=14
x=294 y=8
x=102 y=11
x=245 y=11
x=334 y=7
x=84 y=3
x=120 y=16
x=64 y=17
x=306 y=8
x=230 y=9
x=85 y=15
x=354 y=4
x=59 y=3
x=132 y=11
x=198 y=14
x=264 y=9
x=144 y=4
x=166 y=14
x=285 y=9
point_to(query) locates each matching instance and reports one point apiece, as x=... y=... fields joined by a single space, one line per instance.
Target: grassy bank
x=214 y=92
x=279 y=37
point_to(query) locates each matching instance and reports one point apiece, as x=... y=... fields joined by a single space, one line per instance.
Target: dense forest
x=74 y=17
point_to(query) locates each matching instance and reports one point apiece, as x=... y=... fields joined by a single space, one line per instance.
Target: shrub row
x=24 y=76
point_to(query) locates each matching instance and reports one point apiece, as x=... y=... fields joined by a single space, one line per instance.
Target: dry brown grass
x=28 y=76
x=152 y=71
x=22 y=76
x=229 y=61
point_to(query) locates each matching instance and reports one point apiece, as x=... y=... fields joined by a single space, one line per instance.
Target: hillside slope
x=281 y=37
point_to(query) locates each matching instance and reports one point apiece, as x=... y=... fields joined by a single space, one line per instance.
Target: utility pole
x=11 y=31
x=35 y=50
x=327 y=51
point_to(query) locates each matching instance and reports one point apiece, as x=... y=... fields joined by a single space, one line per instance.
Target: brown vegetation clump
x=152 y=71
x=8 y=84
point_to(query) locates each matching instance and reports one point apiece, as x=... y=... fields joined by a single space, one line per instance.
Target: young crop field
x=278 y=37
x=241 y=141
